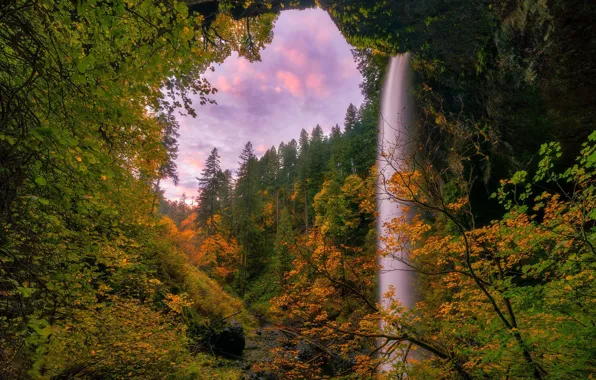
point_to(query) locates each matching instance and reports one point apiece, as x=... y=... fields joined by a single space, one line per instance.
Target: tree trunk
x=155 y=196
x=277 y=211
x=244 y=261
x=305 y=212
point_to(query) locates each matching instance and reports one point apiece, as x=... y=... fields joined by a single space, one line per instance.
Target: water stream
x=395 y=139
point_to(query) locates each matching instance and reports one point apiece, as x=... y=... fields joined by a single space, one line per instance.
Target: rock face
x=230 y=341
x=306 y=351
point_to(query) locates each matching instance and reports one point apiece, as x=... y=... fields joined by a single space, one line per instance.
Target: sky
x=306 y=77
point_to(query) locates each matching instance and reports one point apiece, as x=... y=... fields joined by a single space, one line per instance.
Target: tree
x=351 y=118
x=210 y=188
x=317 y=159
x=247 y=203
x=289 y=163
x=303 y=174
x=168 y=168
x=337 y=153
x=227 y=200
x=283 y=241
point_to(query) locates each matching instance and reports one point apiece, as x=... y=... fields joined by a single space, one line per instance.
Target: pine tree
x=209 y=188
x=303 y=173
x=282 y=260
x=289 y=164
x=336 y=146
x=169 y=141
x=270 y=169
x=318 y=157
x=351 y=118
x=246 y=194
x=226 y=197
x=364 y=140
x=246 y=183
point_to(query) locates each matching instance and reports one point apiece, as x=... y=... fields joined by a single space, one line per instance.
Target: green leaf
x=25 y=291
x=82 y=66
x=41 y=181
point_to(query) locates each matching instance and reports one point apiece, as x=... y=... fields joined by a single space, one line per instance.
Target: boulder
x=230 y=341
x=306 y=351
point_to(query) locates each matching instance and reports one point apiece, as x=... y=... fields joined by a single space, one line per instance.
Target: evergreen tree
x=351 y=118
x=303 y=143
x=209 y=188
x=317 y=160
x=169 y=141
x=289 y=164
x=246 y=183
x=270 y=169
x=226 y=197
x=246 y=194
x=271 y=179
x=303 y=174
x=337 y=156
x=282 y=259
x=364 y=139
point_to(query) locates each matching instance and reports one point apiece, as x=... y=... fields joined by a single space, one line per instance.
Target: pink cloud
x=323 y=35
x=295 y=56
x=261 y=149
x=194 y=163
x=175 y=192
x=243 y=66
x=349 y=68
x=290 y=82
x=222 y=84
x=315 y=83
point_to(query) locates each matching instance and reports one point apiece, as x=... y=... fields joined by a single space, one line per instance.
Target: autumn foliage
x=512 y=298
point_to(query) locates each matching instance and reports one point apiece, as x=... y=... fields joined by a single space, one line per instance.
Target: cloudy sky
x=306 y=77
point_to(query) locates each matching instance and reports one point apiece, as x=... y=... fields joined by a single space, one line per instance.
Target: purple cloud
x=306 y=77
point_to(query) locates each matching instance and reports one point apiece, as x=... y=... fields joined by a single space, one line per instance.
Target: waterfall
x=395 y=141
x=395 y=144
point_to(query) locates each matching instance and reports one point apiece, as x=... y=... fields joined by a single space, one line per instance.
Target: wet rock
x=230 y=341
x=306 y=351
x=261 y=375
x=338 y=365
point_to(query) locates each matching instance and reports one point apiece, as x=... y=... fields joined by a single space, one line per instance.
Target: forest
x=271 y=270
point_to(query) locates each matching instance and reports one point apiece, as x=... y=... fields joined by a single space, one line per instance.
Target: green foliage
x=529 y=314
x=282 y=259
x=87 y=91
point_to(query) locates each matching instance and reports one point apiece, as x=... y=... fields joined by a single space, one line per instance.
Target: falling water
x=395 y=142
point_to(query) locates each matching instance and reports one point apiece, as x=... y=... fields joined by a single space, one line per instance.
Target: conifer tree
x=317 y=160
x=303 y=173
x=336 y=158
x=246 y=194
x=351 y=118
x=283 y=238
x=226 y=197
x=289 y=163
x=209 y=188
x=169 y=141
